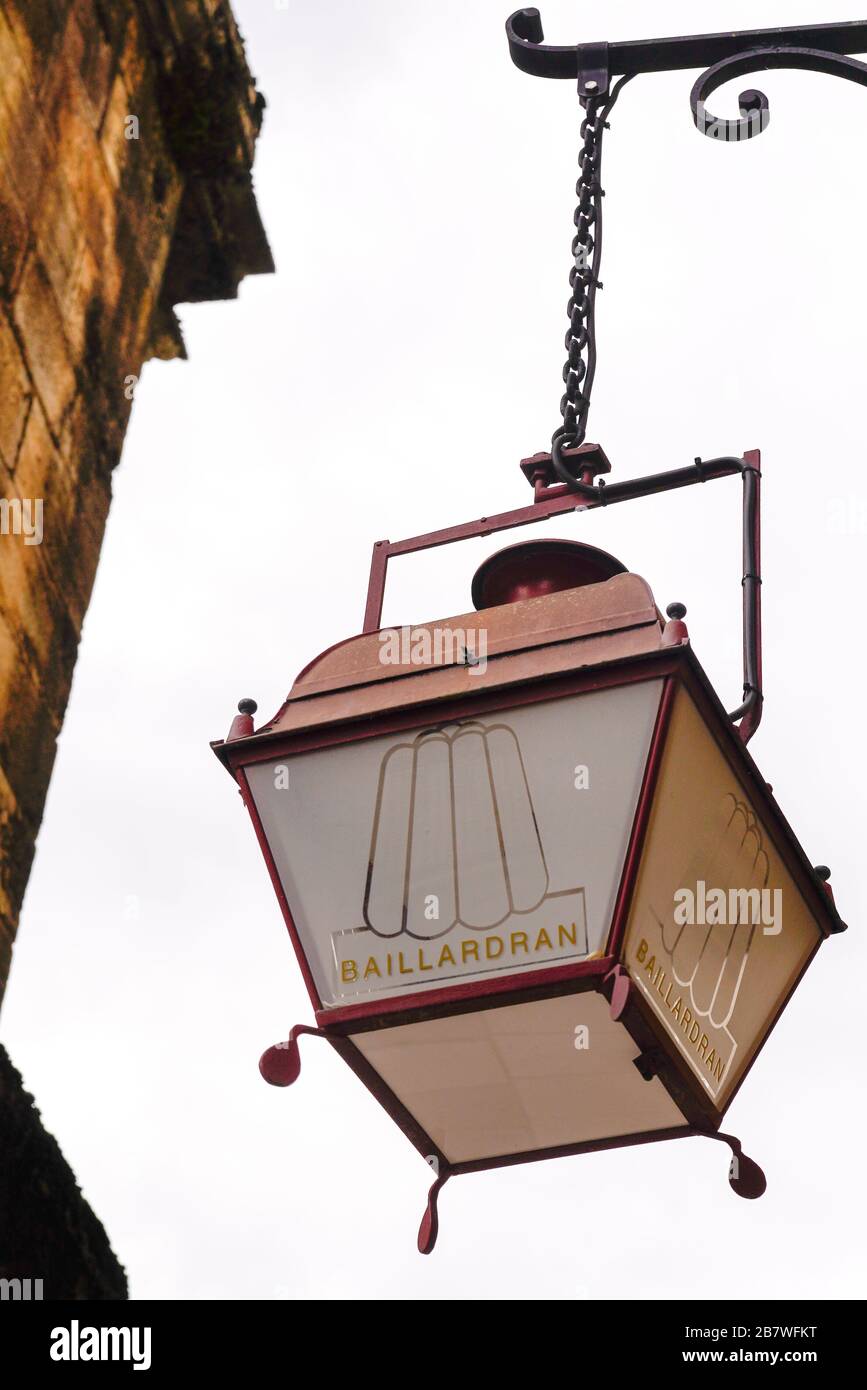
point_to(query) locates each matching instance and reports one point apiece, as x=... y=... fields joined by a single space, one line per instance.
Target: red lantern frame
x=676 y=664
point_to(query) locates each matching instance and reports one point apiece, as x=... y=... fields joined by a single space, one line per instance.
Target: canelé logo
x=456 y=858
x=693 y=965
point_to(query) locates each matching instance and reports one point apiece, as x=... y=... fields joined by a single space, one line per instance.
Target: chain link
x=575 y=402
x=579 y=368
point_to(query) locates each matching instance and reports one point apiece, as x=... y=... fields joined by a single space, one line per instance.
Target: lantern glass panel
x=459 y=851
x=719 y=930
x=520 y=1078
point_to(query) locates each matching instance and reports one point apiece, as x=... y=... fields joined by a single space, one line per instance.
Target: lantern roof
x=533 y=638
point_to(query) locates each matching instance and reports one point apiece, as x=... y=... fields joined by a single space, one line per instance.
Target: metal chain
x=579 y=368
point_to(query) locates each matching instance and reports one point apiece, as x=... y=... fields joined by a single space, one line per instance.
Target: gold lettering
x=469 y=948
x=348 y=971
x=492 y=941
x=410 y=971
x=421 y=964
x=372 y=968
x=642 y=951
x=547 y=940
x=446 y=956
x=564 y=935
x=519 y=937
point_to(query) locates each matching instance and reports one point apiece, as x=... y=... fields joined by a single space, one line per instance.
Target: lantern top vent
x=534 y=568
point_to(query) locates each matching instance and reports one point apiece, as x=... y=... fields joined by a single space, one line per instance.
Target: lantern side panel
x=465 y=851
x=519 y=1079
x=718 y=931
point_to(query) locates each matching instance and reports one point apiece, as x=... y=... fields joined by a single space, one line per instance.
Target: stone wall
x=47 y=1230
x=127 y=131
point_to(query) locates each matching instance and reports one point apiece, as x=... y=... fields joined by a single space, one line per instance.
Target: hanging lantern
x=542 y=899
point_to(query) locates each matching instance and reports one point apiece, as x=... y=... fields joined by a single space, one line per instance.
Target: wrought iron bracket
x=594 y=75
x=813 y=48
x=553 y=499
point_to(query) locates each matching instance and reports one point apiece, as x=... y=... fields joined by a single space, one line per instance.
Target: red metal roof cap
x=534 y=568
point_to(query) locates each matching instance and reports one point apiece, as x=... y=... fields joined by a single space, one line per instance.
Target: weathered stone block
x=25 y=150
x=14 y=241
x=40 y=323
x=60 y=242
x=88 y=49
x=16 y=395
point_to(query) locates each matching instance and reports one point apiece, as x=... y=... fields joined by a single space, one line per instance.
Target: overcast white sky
x=417 y=191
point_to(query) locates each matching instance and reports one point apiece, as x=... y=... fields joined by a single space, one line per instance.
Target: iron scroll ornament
x=724 y=56
x=754 y=107
x=812 y=48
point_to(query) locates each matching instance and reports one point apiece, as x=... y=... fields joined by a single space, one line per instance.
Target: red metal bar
x=642 y=816
x=555 y=499
x=516 y=986
x=468 y=530
x=376 y=586
x=752 y=586
x=550 y=501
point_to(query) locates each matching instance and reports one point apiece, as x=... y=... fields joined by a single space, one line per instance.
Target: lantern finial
x=242 y=724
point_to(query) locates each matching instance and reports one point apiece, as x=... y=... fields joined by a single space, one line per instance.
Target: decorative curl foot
x=746 y=1178
x=430 y=1225
x=281 y=1064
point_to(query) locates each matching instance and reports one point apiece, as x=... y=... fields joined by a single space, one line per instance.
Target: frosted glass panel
x=460 y=851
